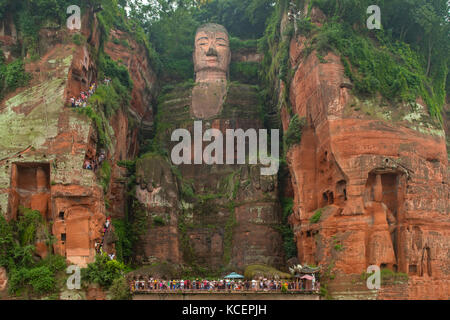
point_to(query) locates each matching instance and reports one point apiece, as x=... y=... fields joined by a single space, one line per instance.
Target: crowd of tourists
x=152 y=285
x=81 y=100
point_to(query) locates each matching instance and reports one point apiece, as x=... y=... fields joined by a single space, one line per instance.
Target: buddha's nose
x=212 y=51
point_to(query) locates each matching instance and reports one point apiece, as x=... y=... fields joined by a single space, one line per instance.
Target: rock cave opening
x=33 y=176
x=389 y=184
x=341 y=190
x=327 y=198
x=30 y=188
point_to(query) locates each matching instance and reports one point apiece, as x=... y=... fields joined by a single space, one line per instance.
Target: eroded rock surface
x=44 y=143
x=377 y=178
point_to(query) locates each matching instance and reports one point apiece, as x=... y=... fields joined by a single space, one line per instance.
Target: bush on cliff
x=15 y=75
x=103 y=138
x=12 y=75
x=124 y=243
x=103 y=271
x=27 y=224
x=289 y=245
x=16 y=255
x=294 y=132
x=388 y=277
x=110 y=68
x=41 y=279
x=316 y=216
x=405 y=59
x=78 y=39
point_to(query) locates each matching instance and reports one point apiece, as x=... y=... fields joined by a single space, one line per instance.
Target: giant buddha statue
x=227 y=212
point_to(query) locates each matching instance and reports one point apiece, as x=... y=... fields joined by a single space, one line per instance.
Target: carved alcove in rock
x=30 y=188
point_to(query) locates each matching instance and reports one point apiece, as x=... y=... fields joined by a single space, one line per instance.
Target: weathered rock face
x=223 y=215
x=246 y=55
x=377 y=176
x=43 y=148
x=137 y=120
x=157 y=190
x=121 y=46
x=44 y=143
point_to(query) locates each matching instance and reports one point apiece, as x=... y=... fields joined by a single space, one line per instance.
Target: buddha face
x=212 y=50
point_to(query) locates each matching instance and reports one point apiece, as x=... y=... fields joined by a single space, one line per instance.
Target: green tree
x=433 y=18
x=173 y=38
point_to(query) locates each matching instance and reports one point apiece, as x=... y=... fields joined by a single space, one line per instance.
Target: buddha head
x=212 y=53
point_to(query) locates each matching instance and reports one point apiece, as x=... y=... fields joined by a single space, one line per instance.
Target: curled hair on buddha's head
x=212 y=27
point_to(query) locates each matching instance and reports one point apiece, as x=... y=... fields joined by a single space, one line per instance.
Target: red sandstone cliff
x=43 y=151
x=380 y=185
